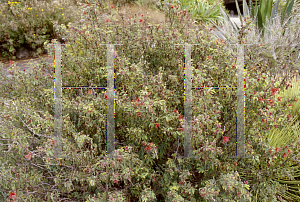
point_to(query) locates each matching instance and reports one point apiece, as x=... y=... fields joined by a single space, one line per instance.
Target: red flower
x=141 y=20
x=275 y=126
x=286 y=66
x=289 y=116
x=147 y=148
x=172 y=6
x=225 y=139
x=154 y=179
x=181 y=182
x=126 y=148
x=28 y=156
x=29 y=121
x=271 y=102
x=290 y=104
x=180 y=117
x=277 y=149
x=139 y=114
x=274 y=90
x=180 y=129
x=175 y=111
x=210 y=57
x=115 y=181
x=263 y=120
x=11 y=63
x=143 y=144
x=262 y=100
x=156 y=125
x=289 y=151
x=84 y=13
x=284 y=155
x=279 y=99
x=107 y=20
x=12 y=195
x=89 y=91
x=106 y=97
x=233 y=66
x=112 y=6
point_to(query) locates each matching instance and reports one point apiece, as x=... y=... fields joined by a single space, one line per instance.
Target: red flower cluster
x=138 y=104
x=12 y=195
x=274 y=91
x=180 y=117
x=181 y=182
x=271 y=102
x=225 y=139
x=28 y=156
x=262 y=100
x=147 y=148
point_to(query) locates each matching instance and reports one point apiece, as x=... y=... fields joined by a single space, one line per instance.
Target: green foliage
x=266 y=13
x=25 y=23
x=204 y=11
x=224 y=187
x=149 y=106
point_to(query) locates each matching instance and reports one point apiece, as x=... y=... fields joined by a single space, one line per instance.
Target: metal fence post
x=110 y=101
x=240 y=151
x=57 y=101
x=187 y=102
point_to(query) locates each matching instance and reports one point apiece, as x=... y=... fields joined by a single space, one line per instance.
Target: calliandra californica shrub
x=149 y=121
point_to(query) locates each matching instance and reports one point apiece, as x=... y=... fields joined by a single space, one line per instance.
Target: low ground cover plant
x=29 y=24
x=149 y=119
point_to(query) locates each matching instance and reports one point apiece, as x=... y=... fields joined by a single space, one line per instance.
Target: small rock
x=22 y=53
